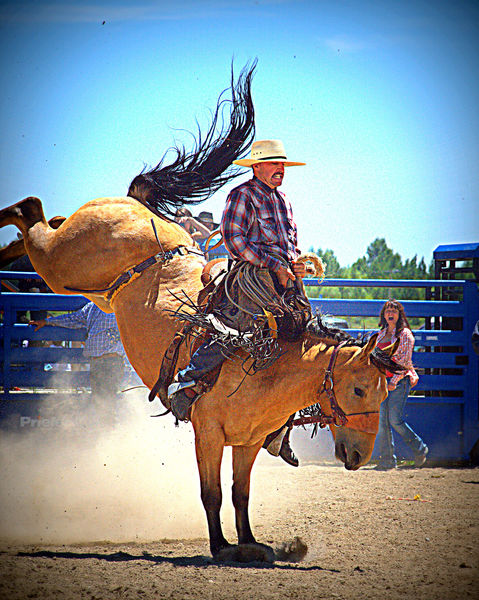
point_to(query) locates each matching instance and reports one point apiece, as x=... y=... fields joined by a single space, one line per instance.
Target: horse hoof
x=245 y=553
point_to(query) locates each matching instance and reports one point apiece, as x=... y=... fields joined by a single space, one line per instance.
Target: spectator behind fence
x=198 y=230
x=394 y=325
x=103 y=347
x=206 y=218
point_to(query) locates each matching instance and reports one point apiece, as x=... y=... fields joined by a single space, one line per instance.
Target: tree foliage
x=379 y=262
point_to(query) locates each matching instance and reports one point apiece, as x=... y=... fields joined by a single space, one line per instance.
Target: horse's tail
x=195 y=176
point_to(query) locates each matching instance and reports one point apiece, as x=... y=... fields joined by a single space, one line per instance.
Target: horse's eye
x=359 y=392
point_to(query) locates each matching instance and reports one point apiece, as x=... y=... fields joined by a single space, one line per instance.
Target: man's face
x=271 y=173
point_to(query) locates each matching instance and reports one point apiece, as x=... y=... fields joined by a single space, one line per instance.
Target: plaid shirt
x=103 y=336
x=258 y=226
x=403 y=355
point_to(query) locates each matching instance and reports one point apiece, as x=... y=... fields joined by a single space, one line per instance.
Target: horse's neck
x=307 y=367
x=311 y=361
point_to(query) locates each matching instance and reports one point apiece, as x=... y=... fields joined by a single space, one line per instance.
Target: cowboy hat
x=267 y=151
x=207 y=218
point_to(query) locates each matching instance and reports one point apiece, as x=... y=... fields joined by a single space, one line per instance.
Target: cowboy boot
x=181 y=401
x=286 y=451
x=277 y=444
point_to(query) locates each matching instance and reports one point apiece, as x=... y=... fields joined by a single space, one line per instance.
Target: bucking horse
x=127 y=255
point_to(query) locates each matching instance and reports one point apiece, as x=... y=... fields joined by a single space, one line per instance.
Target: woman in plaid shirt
x=257 y=227
x=394 y=325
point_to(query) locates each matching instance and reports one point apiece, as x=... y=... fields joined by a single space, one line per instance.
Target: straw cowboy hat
x=267 y=151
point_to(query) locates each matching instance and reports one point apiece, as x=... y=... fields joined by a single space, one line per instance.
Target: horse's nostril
x=341 y=453
x=354 y=461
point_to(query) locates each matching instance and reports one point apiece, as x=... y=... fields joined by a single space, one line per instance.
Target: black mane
x=194 y=176
x=319 y=330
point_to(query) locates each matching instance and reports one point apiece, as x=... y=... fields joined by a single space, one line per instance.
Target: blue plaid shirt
x=103 y=336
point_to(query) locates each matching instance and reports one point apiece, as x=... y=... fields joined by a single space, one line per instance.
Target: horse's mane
x=318 y=330
x=194 y=176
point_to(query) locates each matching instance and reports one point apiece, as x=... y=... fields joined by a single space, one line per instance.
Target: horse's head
x=359 y=386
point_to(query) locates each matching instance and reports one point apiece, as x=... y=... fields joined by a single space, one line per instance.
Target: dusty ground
x=367 y=537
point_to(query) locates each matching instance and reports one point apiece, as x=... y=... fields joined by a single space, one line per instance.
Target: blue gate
x=28 y=360
x=443 y=407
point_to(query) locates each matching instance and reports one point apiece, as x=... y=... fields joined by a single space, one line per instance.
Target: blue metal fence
x=443 y=408
x=25 y=373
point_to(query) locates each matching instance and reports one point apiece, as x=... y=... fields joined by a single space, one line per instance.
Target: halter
x=366 y=421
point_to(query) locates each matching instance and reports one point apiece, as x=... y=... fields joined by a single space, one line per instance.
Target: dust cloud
x=77 y=472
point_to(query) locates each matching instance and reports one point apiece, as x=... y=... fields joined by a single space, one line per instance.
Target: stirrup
x=274 y=447
x=287 y=454
x=181 y=403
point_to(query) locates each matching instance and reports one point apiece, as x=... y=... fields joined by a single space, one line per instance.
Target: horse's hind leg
x=16 y=249
x=243 y=459
x=23 y=214
x=209 y=452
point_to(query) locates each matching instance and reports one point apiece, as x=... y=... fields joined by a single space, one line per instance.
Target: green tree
x=379 y=262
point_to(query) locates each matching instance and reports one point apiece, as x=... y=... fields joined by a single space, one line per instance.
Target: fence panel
x=443 y=408
x=32 y=370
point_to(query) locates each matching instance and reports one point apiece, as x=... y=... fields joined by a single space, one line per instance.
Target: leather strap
x=161 y=257
x=167 y=369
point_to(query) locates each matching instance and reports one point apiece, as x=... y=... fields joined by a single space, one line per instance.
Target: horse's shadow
x=182 y=561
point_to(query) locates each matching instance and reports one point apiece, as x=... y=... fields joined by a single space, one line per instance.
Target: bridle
x=367 y=421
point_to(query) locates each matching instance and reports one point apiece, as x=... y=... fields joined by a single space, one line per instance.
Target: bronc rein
x=366 y=421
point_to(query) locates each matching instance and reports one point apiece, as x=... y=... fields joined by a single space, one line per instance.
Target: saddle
x=285 y=316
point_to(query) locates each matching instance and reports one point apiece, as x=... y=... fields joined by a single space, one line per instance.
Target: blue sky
x=379 y=98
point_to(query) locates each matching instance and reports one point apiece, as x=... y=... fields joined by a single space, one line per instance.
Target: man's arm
x=194 y=227
x=74 y=320
x=298 y=272
x=475 y=339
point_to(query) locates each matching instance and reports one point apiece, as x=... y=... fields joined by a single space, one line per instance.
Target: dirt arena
x=409 y=533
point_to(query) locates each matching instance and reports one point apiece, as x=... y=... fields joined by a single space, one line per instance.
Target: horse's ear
x=366 y=351
x=391 y=350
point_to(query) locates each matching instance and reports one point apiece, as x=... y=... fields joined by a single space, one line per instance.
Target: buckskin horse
x=126 y=255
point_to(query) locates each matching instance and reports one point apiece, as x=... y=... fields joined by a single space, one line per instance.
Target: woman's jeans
x=391 y=416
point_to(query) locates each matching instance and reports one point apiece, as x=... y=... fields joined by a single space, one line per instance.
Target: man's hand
x=284 y=275
x=298 y=272
x=38 y=324
x=391 y=387
x=299 y=269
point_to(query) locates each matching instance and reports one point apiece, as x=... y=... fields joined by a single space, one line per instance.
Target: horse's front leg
x=243 y=459
x=209 y=452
